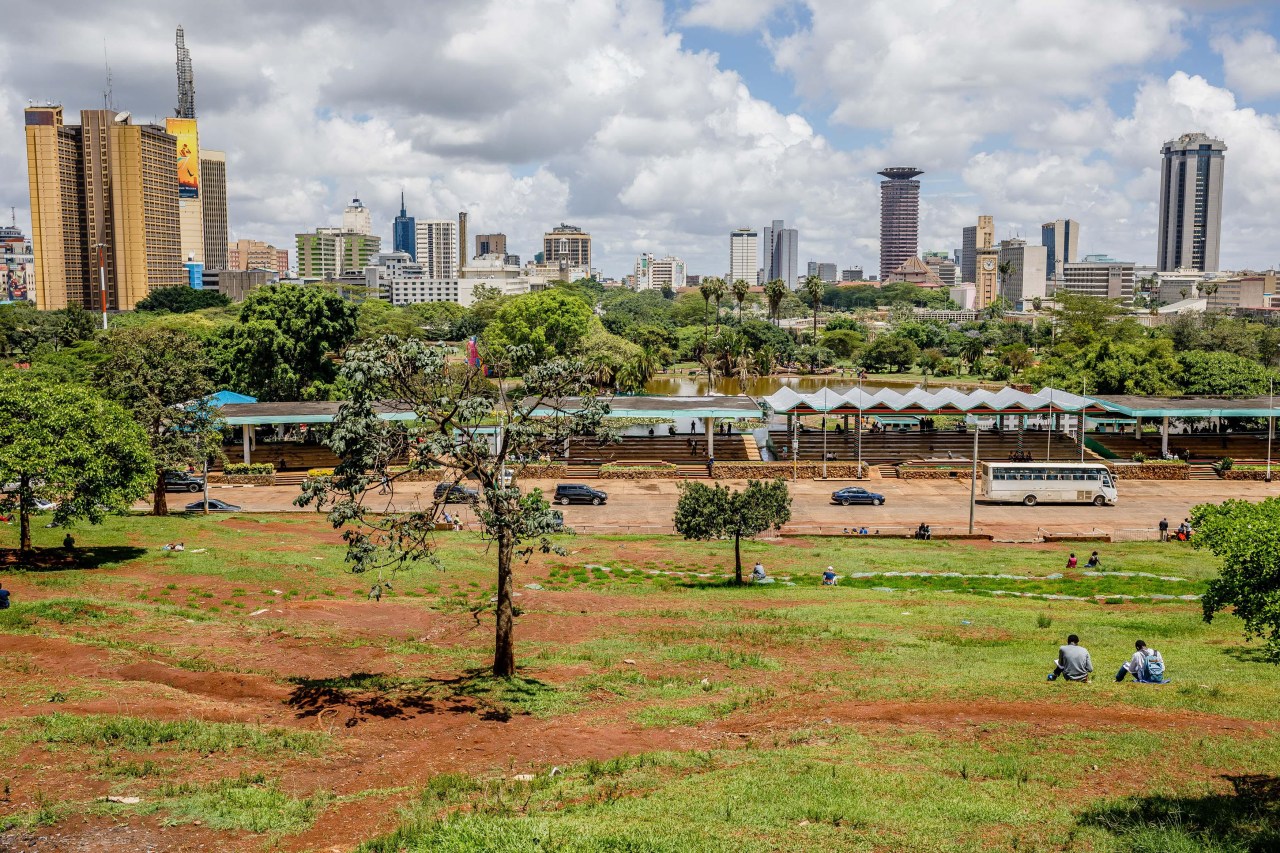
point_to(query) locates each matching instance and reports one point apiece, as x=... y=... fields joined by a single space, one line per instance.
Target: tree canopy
x=538 y=327
x=710 y=512
x=181 y=299
x=1246 y=536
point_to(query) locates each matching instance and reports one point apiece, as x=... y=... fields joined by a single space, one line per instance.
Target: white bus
x=1057 y=482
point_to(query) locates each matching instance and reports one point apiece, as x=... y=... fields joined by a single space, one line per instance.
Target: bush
x=1224 y=464
x=1139 y=457
x=250 y=468
x=312 y=473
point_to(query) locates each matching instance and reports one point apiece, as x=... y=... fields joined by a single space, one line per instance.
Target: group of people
x=923 y=532
x=170 y=546
x=1095 y=562
x=1181 y=534
x=1146 y=665
x=1020 y=456
x=857 y=531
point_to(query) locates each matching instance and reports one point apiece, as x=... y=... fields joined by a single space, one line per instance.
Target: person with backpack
x=1146 y=666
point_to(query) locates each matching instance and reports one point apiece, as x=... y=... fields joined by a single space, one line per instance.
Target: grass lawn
x=249 y=695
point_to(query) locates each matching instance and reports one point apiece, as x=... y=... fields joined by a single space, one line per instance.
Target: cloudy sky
x=661 y=126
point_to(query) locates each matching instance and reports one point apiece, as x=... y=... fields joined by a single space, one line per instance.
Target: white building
x=657 y=273
x=401 y=280
x=437 y=247
x=491 y=266
x=1027 y=280
x=641 y=277
x=1172 y=284
x=357 y=219
x=964 y=295
x=744 y=255
x=1098 y=275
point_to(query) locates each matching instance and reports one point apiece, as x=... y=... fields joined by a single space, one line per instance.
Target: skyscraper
x=106 y=189
x=328 y=253
x=899 y=217
x=491 y=244
x=357 y=219
x=437 y=248
x=404 y=235
x=975 y=237
x=1061 y=237
x=1190 y=203
x=780 y=256
x=568 y=246
x=213 y=208
x=743 y=254
x=186 y=80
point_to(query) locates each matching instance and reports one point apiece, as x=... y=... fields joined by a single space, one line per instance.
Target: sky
x=661 y=126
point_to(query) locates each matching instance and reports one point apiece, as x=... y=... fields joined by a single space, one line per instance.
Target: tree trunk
x=504 y=652
x=737 y=558
x=160 y=502
x=24 y=516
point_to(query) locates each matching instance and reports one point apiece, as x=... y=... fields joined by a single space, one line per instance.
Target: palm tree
x=1005 y=270
x=740 y=290
x=707 y=289
x=774 y=291
x=815 y=288
x=718 y=289
x=972 y=351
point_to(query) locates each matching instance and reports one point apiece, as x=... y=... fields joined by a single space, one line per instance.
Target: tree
x=1222 y=373
x=1004 y=271
x=181 y=299
x=740 y=291
x=814 y=287
x=160 y=376
x=845 y=343
x=973 y=349
x=541 y=326
x=716 y=289
x=932 y=361
x=774 y=291
x=1018 y=357
x=452 y=407
x=710 y=512
x=287 y=341
x=1247 y=537
x=66 y=444
x=707 y=289
x=889 y=353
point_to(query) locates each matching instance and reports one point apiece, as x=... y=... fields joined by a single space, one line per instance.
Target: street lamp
x=973 y=476
x=859 y=423
x=102 y=281
x=1271 y=423
x=824 y=445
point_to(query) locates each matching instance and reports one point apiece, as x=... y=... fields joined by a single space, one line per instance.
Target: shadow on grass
x=1244 y=654
x=369 y=695
x=62 y=559
x=1247 y=820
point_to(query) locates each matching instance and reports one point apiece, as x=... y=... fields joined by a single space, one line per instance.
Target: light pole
x=102 y=281
x=1048 y=444
x=973 y=477
x=795 y=447
x=824 y=445
x=859 y=423
x=1271 y=424
x=1083 y=388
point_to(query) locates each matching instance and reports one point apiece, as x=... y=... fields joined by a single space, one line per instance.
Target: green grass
x=248 y=803
x=139 y=733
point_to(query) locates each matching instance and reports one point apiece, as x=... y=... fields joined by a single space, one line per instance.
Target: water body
x=763 y=386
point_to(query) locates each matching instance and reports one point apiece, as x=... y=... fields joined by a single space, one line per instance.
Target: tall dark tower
x=899 y=217
x=403 y=232
x=186 y=80
x=1191 y=203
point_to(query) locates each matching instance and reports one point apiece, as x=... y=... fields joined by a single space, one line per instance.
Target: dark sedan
x=178 y=481
x=855 y=495
x=214 y=506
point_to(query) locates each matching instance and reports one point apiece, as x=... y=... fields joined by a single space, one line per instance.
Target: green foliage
x=248 y=803
x=251 y=468
x=442 y=321
x=24 y=330
x=285 y=344
x=890 y=353
x=182 y=299
x=138 y=734
x=67 y=444
x=1246 y=536
x=709 y=512
x=814 y=358
x=541 y=326
x=845 y=343
x=161 y=378
x=1222 y=373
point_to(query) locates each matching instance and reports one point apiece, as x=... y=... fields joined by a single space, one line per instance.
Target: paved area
x=647 y=506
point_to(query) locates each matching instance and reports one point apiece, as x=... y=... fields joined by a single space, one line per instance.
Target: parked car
x=215 y=505
x=456 y=493
x=855 y=495
x=568 y=493
x=180 y=481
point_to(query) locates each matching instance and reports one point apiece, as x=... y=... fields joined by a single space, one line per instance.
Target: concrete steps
x=1202 y=472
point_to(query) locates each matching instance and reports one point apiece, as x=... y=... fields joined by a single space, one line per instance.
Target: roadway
x=641 y=506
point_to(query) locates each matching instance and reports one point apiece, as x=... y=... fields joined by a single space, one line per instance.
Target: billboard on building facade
x=188 y=155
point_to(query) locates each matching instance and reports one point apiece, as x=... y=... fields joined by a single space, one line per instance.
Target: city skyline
x=1033 y=135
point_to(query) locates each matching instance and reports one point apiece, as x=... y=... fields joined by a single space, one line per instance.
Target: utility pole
x=973 y=477
x=102 y=282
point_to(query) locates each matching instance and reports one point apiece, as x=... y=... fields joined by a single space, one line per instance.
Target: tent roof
x=1188 y=407
x=919 y=401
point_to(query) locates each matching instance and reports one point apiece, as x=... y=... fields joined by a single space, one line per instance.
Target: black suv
x=456 y=493
x=568 y=493
x=178 y=481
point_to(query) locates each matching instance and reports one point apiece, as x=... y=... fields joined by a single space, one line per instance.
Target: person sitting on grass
x=1094 y=562
x=1146 y=666
x=4 y=598
x=757 y=572
x=1074 y=663
x=1071 y=562
x=829 y=577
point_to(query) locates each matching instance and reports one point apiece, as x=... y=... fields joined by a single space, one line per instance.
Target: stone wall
x=783 y=470
x=1247 y=474
x=638 y=472
x=1152 y=471
x=907 y=472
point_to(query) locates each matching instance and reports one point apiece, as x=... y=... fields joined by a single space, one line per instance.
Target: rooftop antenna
x=108 y=96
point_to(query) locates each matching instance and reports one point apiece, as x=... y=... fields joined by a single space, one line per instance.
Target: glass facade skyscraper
x=404 y=235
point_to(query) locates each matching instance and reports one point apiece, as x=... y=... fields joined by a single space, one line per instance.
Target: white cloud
x=1251 y=63
x=734 y=16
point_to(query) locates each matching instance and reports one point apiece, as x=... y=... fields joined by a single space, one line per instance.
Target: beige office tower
x=213 y=203
x=190 y=186
x=104 y=189
x=568 y=246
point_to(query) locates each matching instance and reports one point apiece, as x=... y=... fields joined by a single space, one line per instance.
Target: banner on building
x=184 y=129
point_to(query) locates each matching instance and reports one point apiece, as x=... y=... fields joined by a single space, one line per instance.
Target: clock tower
x=987 y=278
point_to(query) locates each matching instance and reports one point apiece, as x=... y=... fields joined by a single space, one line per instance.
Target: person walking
x=711 y=465
x=1164 y=530
x=1074 y=663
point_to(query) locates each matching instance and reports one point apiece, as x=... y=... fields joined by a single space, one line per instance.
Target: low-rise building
x=257 y=255
x=1097 y=275
x=236 y=284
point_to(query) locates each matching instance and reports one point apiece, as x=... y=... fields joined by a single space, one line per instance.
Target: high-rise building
x=986 y=277
x=567 y=246
x=1097 y=275
x=190 y=211
x=667 y=273
x=437 y=248
x=104 y=190
x=328 y=253
x=1026 y=280
x=1190 y=203
x=490 y=244
x=257 y=255
x=404 y=235
x=356 y=218
x=213 y=207
x=744 y=254
x=899 y=217
x=851 y=274
x=780 y=253
x=640 y=279
x=975 y=237
x=186 y=79
x=1061 y=237
x=826 y=272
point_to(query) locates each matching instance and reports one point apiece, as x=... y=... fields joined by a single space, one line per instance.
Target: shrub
x=319 y=472
x=251 y=468
x=1043 y=620
x=1139 y=456
x=1224 y=464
